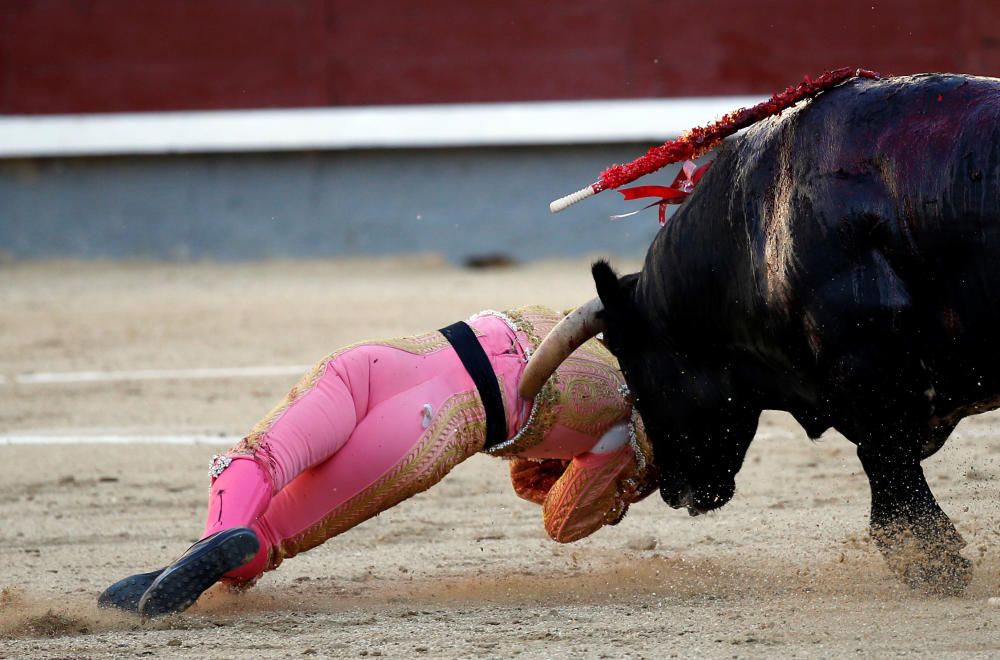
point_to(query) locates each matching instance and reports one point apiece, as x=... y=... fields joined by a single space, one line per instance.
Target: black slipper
x=181 y=583
x=125 y=594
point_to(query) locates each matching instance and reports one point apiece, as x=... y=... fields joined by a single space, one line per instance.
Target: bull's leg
x=919 y=542
x=888 y=416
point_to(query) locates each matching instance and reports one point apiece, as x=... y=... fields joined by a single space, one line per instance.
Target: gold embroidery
x=535 y=321
x=457 y=432
x=590 y=399
x=583 y=500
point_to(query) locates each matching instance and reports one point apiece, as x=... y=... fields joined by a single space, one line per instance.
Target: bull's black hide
x=840 y=262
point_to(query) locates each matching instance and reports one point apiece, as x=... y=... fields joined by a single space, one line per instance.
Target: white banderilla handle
x=569 y=200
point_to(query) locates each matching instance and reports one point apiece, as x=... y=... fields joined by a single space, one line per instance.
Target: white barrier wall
x=462 y=181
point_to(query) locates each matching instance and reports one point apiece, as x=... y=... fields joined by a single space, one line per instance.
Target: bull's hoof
x=947 y=575
x=929 y=561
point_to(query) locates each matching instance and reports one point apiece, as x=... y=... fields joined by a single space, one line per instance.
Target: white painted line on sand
x=53 y=377
x=143 y=439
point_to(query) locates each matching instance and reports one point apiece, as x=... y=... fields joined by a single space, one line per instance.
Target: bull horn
x=569 y=334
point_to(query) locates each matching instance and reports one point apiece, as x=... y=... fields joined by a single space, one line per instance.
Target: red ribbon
x=685 y=181
x=666 y=192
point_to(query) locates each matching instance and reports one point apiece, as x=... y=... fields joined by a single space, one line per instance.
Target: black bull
x=840 y=262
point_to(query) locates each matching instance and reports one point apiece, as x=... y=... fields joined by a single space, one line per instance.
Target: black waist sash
x=473 y=357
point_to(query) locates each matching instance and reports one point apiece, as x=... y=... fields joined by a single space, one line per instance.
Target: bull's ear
x=614 y=292
x=607 y=282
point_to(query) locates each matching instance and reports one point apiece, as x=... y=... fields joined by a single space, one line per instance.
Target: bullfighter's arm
x=579 y=497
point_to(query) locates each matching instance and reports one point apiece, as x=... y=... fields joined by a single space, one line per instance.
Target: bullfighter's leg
x=345 y=446
x=918 y=540
x=311 y=424
x=389 y=458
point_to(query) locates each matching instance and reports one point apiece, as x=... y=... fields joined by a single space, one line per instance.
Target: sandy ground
x=785 y=570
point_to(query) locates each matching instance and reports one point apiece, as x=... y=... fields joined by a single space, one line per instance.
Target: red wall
x=129 y=55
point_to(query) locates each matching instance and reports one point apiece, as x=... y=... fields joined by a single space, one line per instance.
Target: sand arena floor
x=464 y=570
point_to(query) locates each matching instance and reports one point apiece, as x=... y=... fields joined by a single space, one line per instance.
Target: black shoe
x=125 y=594
x=181 y=583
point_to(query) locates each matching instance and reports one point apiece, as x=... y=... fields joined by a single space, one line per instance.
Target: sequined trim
x=645 y=480
x=525 y=320
x=503 y=316
x=217 y=465
x=540 y=420
x=633 y=440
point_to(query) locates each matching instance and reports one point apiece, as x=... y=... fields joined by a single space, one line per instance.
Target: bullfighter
x=380 y=421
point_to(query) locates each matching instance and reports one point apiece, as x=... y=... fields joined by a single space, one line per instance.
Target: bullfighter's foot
x=204 y=563
x=925 y=556
x=125 y=593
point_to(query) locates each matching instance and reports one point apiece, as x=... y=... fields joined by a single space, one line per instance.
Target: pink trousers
x=371 y=426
